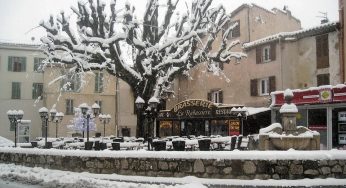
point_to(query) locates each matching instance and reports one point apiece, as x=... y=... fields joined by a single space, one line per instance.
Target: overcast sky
x=19 y=17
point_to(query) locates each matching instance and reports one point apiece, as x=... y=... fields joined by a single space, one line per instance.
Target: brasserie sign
x=195 y=108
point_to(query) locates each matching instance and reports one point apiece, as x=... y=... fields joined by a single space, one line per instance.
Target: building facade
x=21 y=85
x=280 y=55
x=65 y=91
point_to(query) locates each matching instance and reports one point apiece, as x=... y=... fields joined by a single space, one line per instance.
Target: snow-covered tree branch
x=148 y=53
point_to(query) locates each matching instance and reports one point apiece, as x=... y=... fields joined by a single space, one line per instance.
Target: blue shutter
x=10 y=62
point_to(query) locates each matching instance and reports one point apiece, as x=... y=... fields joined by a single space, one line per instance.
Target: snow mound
x=4 y=142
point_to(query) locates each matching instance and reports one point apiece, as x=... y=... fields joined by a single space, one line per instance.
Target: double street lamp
x=87 y=115
x=15 y=116
x=149 y=112
x=54 y=116
x=104 y=119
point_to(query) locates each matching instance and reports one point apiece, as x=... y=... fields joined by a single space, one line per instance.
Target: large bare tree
x=147 y=53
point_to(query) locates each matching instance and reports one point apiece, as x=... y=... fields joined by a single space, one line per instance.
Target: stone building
x=21 y=86
x=69 y=92
x=232 y=86
x=342 y=19
x=280 y=55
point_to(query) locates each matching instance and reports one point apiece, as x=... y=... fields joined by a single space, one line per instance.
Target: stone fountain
x=288 y=135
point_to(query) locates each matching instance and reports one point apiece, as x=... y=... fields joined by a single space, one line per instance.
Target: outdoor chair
x=159 y=145
x=233 y=143
x=204 y=144
x=178 y=145
x=240 y=138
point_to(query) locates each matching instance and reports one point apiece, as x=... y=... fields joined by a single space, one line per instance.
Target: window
x=99 y=82
x=263 y=86
x=38 y=64
x=71 y=83
x=16 y=64
x=69 y=107
x=323 y=79
x=15 y=90
x=37 y=91
x=235 y=32
x=322 y=51
x=215 y=96
x=266 y=54
x=100 y=104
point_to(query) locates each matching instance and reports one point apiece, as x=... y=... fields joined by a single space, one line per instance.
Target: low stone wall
x=178 y=167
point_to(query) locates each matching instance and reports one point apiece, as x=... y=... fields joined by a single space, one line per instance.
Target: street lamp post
x=53 y=114
x=104 y=119
x=15 y=116
x=149 y=113
x=86 y=114
x=58 y=118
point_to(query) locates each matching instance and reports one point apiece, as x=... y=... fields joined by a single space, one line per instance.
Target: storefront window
x=317 y=121
x=165 y=128
x=339 y=128
x=219 y=127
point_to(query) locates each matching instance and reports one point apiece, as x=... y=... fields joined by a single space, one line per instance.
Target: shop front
x=322 y=109
x=199 y=117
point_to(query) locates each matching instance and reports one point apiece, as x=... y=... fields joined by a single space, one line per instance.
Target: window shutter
x=253 y=87
x=272 y=52
x=258 y=55
x=23 y=62
x=220 y=96
x=209 y=96
x=10 y=64
x=322 y=51
x=272 y=84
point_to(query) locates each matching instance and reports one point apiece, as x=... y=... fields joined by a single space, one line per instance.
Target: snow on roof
x=252 y=110
x=327 y=27
x=12 y=45
x=339 y=86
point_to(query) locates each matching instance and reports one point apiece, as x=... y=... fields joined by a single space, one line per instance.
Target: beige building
x=231 y=85
x=342 y=18
x=21 y=86
x=68 y=92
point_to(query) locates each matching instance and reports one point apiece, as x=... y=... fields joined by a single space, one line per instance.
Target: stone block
x=173 y=166
x=332 y=163
x=337 y=169
x=227 y=170
x=296 y=169
x=282 y=170
x=311 y=172
x=89 y=164
x=310 y=165
x=220 y=163
x=264 y=167
x=198 y=166
x=249 y=167
x=185 y=167
x=211 y=170
x=323 y=163
x=325 y=170
x=163 y=165
x=124 y=164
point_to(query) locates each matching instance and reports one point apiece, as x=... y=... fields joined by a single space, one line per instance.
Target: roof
x=253 y=111
x=22 y=46
x=294 y=35
x=273 y=11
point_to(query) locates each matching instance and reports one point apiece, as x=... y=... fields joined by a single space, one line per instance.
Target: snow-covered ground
x=5 y=142
x=56 y=178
